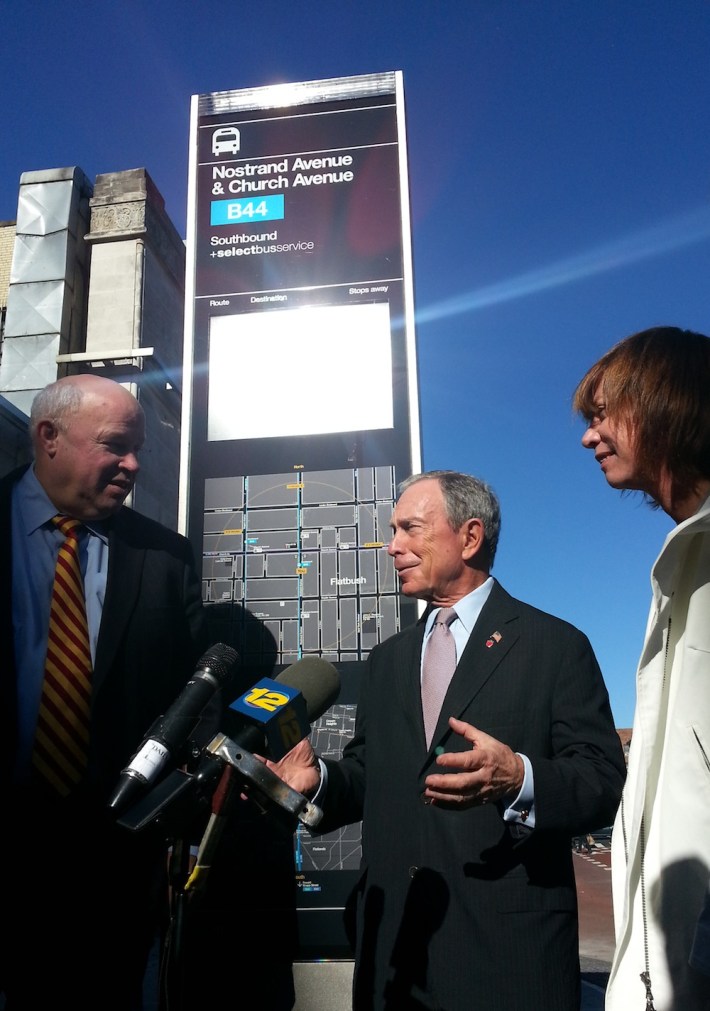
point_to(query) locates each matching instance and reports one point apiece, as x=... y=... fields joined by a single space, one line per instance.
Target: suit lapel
x=408 y=679
x=125 y=567
x=493 y=636
x=409 y=682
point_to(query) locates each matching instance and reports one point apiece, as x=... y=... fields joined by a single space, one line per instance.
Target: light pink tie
x=438 y=669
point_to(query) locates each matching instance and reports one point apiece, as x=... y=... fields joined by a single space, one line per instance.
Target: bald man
x=85 y=897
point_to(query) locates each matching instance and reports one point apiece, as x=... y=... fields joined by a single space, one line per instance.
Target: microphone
x=285 y=709
x=266 y=729
x=274 y=715
x=170 y=732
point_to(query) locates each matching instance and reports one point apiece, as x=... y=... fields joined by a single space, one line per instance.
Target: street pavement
x=596 y=924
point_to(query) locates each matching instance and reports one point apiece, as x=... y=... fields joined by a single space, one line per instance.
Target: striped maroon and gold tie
x=62 y=737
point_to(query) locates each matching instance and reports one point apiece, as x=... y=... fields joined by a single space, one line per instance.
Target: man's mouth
x=121 y=487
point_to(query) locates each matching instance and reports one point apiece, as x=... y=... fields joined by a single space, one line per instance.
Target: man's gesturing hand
x=486 y=773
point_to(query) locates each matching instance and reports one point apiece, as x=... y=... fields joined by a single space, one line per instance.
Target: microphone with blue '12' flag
x=268 y=719
x=273 y=715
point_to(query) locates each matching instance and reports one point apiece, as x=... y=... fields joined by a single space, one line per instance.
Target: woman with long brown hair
x=647 y=407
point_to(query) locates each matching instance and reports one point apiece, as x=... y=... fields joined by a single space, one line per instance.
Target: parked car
x=602 y=836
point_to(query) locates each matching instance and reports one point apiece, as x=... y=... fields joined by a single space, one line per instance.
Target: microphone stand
x=258 y=784
x=172 y=959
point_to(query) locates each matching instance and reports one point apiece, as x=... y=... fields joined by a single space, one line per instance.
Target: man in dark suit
x=467 y=895
x=82 y=895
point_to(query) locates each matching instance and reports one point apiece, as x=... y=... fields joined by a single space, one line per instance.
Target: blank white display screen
x=304 y=371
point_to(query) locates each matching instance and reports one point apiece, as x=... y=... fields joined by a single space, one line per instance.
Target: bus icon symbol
x=225 y=140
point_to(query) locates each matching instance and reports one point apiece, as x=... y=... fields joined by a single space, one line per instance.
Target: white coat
x=661 y=838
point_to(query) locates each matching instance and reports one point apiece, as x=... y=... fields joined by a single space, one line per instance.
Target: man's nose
x=131 y=462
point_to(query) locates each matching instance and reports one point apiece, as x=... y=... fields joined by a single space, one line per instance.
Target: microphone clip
x=267 y=784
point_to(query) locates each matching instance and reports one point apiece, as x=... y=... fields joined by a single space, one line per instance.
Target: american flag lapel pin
x=495 y=637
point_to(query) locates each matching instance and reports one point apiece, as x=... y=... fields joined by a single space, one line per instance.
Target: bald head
x=86 y=433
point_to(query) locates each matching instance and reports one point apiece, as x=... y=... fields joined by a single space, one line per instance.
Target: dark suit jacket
x=452 y=911
x=79 y=868
x=152 y=633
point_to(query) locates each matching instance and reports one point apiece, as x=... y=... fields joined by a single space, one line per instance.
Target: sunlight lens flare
x=668 y=235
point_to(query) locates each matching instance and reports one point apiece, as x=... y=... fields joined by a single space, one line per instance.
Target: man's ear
x=474 y=534
x=47 y=435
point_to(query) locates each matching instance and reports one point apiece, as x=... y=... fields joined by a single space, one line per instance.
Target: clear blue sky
x=560 y=187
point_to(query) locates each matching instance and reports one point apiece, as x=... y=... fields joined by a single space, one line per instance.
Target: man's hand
x=299 y=768
x=486 y=773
